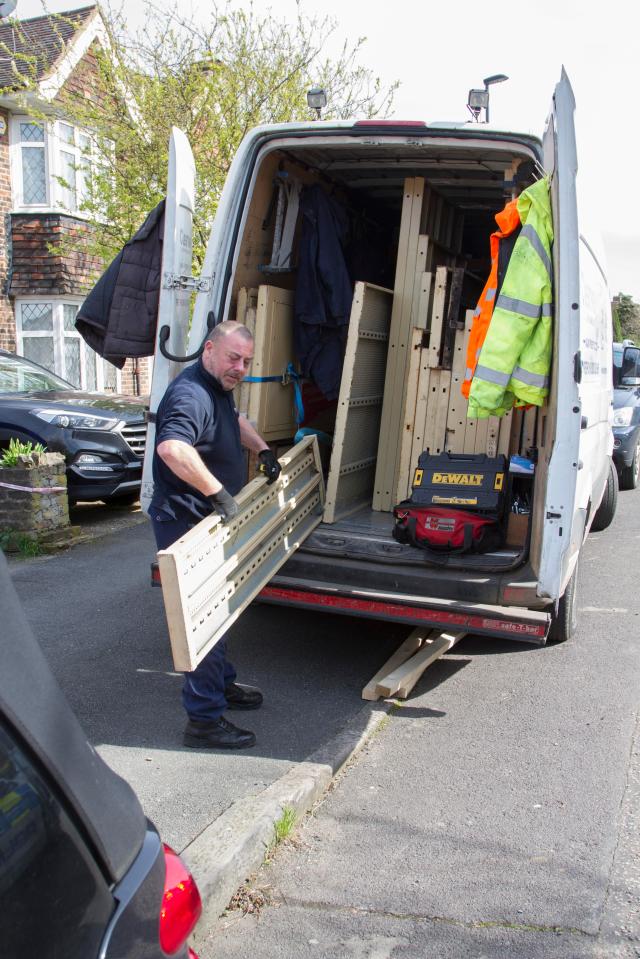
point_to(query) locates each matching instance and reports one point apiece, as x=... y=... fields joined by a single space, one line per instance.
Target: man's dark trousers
x=203 y=690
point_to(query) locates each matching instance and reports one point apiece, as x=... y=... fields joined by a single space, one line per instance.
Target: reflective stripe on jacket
x=508 y=220
x=515 y=359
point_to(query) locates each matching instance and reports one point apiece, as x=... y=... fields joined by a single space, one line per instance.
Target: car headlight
x=622 y=417
x=76 y=421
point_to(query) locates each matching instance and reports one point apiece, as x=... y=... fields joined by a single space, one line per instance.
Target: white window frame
x=54 y=145
x=59 y=333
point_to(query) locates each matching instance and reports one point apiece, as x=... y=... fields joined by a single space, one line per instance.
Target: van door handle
x=584 y=422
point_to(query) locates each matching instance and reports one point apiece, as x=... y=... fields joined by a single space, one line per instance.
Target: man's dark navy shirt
x=198 y=411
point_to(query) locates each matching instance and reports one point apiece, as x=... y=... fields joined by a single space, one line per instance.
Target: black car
x=83 y=874
x=626 y=418
x=101 y=435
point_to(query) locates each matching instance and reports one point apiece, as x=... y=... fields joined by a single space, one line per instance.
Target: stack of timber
x=355 y=441
x=430 y=237
x=435 y=413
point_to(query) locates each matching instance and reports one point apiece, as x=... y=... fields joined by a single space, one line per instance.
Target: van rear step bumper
x=506 y=622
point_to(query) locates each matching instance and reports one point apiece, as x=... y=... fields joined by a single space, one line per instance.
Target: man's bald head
x=227 y=353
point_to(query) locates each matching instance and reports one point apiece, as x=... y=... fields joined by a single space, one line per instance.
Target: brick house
x=40 y=289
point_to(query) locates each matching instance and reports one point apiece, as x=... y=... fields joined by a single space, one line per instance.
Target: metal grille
x=135 y=435
x=34 y=187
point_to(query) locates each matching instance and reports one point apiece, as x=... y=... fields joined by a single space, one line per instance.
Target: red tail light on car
x=181 y=904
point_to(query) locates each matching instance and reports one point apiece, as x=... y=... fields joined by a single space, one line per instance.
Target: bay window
x=47 y=335
x=51 y=165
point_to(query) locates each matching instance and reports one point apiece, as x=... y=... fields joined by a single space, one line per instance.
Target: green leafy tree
x=214 y=79
x=626 y=318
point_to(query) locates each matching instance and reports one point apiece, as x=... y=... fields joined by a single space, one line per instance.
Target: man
x=198 y=467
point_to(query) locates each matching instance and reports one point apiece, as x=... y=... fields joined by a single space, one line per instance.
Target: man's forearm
x=186 y=463
x=249 y=437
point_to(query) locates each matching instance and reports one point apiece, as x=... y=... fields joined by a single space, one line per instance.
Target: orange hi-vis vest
x=508 y=220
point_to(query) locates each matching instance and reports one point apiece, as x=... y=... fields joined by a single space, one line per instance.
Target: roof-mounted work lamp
x=479 y=99
x=317 y=100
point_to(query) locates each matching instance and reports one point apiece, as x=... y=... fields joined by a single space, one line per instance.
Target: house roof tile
x=31 y=49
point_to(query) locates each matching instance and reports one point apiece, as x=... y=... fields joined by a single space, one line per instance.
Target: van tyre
x=629 y=475
x=565 y=622
x=607 y=509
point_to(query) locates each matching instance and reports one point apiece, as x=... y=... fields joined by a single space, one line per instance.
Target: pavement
x=493 y=814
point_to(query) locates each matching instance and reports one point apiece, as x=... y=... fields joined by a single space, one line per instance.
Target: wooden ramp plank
x=408 y=648
x=404 y=676
x=408 y=426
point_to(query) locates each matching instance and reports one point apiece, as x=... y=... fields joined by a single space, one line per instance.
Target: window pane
x=40 y=350
x=84 y=142
x=84 y=180
x=36 y=316
x=34 y=187
x=90 y=367
x=66 y=133
x=110 y=377
x=69 y=313
x=68 y=173
x=72 y=359
x=32 y=133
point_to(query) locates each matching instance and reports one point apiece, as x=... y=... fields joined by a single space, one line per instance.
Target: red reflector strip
x=349 y=604
x=155 y=575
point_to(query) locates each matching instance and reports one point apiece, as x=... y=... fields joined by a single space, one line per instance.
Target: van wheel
x=565 y=622
x=629 y=475
x=607 y=509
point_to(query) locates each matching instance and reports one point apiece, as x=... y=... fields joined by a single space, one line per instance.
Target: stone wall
x=34 y=512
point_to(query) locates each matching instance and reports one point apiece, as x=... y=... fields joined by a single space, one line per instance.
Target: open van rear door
x=563 y=525
x=175 y=287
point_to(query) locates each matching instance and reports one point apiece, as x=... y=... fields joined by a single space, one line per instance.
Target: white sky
x=440 y=50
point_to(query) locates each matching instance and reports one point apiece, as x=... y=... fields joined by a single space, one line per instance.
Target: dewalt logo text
x=458 y=479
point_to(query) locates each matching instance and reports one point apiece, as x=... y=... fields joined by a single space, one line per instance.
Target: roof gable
x=35 y=49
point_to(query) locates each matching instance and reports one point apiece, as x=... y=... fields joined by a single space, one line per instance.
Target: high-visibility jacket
x=515 y=359
x=508 y=221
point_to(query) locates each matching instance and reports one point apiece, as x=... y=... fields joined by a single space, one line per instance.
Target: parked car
x=101 y=435
x=618 y=350
x=82 y=873
x=626 y=416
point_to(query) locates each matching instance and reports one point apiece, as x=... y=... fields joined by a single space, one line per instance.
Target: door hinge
x=196 y=284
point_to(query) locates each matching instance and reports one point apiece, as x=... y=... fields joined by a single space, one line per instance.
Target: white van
x=435 y=255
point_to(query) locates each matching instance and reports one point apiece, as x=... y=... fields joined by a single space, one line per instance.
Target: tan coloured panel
x=211 y=574
x=271 y=405
x=357 y=427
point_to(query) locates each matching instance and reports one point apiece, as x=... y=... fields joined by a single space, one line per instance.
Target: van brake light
x=181 y=904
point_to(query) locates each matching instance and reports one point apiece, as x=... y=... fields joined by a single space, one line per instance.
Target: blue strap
x=289 y=376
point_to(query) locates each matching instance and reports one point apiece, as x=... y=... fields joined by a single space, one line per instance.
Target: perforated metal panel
x=212 y=573
x=356 y=437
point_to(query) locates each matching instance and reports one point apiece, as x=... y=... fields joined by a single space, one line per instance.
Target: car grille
x=135 y=435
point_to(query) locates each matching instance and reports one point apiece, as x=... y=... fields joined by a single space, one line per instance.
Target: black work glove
x=269 y=465
x=223 y=504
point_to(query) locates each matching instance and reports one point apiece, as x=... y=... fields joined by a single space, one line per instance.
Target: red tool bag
x=442 y=531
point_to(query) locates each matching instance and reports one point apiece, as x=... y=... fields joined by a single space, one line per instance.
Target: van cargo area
x=417 y=214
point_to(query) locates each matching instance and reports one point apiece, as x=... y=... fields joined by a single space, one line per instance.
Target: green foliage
x=214 y=79
x=17 y=448
x=283 y=827
x=626 y=318
x=12 y=542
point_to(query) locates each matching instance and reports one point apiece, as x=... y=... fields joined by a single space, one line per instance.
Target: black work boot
x=239 y=696
x=217 y=734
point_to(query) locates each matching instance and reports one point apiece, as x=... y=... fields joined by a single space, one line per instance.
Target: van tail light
x=155 y=575
x=181 y=904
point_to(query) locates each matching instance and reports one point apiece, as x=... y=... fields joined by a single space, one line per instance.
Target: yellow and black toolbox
x=468 y=481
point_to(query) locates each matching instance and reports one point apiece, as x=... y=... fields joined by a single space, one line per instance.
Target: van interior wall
x=264 y=300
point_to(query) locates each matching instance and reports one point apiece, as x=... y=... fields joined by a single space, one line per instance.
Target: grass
x=19 y=542
x=283 y=827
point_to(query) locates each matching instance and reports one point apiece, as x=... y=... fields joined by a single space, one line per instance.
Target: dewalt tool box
x=468 y=481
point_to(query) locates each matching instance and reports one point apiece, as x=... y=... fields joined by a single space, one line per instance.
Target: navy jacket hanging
x=323 y=291
x=119 y=316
